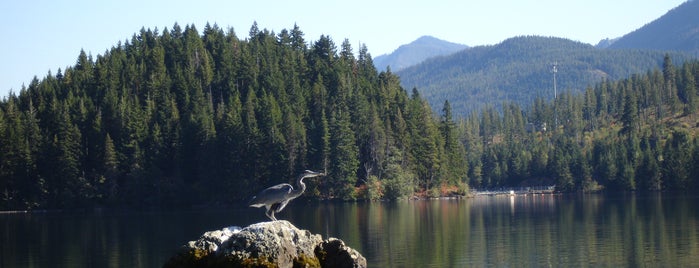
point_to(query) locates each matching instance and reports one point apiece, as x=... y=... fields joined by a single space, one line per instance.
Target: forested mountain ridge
x=635 y=134
x=519 y=70
x=415 y=52
x=179 y=118
x=676 y=30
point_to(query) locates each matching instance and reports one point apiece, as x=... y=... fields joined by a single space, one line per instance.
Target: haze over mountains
x=519 y=68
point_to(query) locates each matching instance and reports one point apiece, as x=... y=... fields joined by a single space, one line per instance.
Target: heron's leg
x=270 y=214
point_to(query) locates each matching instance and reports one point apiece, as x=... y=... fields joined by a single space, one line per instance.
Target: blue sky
x=39 y=36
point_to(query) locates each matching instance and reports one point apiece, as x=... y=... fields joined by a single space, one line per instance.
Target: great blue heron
x=275 y=198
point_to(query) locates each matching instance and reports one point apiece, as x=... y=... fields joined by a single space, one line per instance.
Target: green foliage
x=620 y=135
x=374 y=189
x=178 y=117
x=677 y=164
x=344 y=153
x=399 y=183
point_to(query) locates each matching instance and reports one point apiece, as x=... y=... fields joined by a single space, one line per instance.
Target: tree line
x=633 y=134
x=178 y=118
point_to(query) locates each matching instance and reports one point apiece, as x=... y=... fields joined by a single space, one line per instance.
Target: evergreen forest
x=633 y=134
x=181 y=118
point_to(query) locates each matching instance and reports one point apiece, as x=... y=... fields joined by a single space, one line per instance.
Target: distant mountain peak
x=607 y=42
x=678 y=29
x=416 y=52
x=428 y=39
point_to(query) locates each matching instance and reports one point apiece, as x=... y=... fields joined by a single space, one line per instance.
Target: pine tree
x=677 y=155
x=318 y=127
x=425 y=150
x=343 y=157
x=12 y=156
x=69 y=181
x=454 y=169
x=110 y=167
x=629 y=118
x=375 y=146
x=297 y=41
x=688 y=92
x=561 y=166
x=649 y=174
x=35 y=185
x=670 y=86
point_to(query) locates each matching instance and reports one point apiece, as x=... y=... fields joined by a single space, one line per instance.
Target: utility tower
x=554 y=70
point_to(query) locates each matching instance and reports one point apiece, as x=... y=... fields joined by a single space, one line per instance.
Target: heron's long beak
x=311 y=173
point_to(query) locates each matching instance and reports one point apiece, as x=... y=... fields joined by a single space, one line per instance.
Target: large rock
x=267 y=244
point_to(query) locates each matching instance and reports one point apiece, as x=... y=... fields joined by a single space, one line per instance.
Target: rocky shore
x=266 y=244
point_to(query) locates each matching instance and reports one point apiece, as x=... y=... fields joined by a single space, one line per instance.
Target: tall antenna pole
x=555 y=70
x=555 y=94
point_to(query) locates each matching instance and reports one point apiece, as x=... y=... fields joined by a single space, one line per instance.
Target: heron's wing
x=271 y=195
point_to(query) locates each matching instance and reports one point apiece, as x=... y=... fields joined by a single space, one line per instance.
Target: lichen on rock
x=266 y=244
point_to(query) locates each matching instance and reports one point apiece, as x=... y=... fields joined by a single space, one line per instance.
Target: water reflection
x=532 y=230
x=101 y=239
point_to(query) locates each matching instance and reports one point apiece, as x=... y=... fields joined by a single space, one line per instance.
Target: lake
x=496 y=231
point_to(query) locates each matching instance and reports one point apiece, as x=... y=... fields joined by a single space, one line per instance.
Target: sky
x=39 y=36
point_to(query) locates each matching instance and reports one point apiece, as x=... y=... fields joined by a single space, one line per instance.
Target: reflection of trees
x=533 y=230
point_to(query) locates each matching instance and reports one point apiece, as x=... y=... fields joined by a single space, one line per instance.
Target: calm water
x=502 y=231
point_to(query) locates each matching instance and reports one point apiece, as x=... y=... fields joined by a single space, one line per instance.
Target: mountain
x=605 y=43
x=419 y=50
x=676 y=30
x=519 y=70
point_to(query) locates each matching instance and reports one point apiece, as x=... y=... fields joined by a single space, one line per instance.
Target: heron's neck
x=300 y=187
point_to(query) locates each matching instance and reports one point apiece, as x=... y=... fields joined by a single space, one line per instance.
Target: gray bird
x=275 y=198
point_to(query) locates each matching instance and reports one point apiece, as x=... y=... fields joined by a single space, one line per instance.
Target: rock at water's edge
x=266 y=244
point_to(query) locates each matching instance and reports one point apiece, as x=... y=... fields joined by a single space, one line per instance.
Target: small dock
x=550 y=189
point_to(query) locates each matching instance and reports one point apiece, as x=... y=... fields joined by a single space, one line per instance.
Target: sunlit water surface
x=496 y=231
